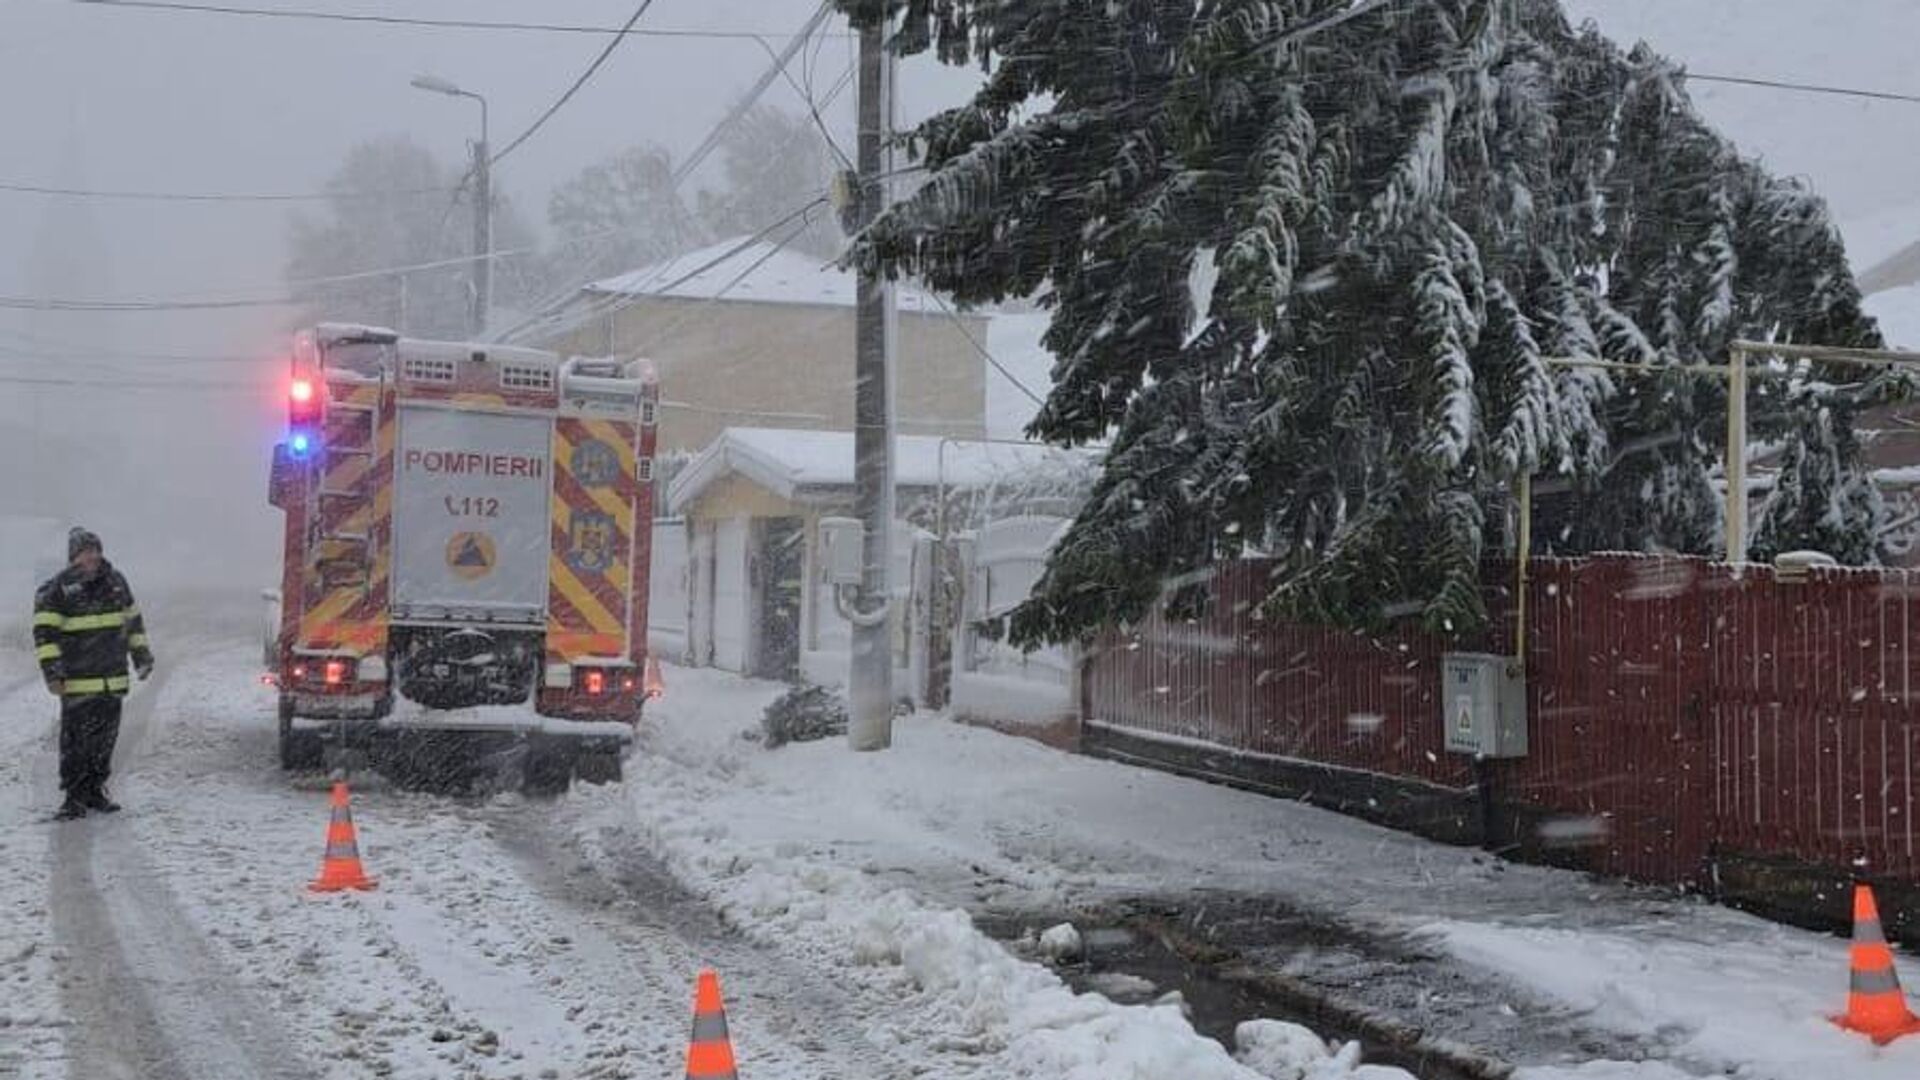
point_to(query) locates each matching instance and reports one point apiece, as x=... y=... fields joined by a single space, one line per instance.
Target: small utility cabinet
x=1484 y=699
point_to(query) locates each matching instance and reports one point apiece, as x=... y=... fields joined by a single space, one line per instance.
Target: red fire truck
x=468 y=531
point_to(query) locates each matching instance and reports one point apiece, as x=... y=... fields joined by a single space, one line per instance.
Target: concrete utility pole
x=870 y=674
x=482 y=230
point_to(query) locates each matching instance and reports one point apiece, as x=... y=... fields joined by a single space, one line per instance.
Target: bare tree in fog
x=619 y=214
x=396 y=205
x=773 y=161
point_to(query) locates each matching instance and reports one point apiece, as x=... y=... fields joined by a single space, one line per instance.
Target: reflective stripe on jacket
x=83 y=630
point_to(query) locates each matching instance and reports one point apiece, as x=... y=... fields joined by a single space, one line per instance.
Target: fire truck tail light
x=627 y=684
x=299 y=671
x=336 y=672
x=596 y=682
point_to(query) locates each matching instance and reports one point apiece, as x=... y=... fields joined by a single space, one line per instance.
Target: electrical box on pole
x=840 y=543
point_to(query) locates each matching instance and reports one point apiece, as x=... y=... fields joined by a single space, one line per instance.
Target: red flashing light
x=299 y=671
x=336 y=672
x=627 y=684
x=596 y=682
x=301 y=391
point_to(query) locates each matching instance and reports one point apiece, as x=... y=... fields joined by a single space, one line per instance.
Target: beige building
x=748 y=511
x=762 y=336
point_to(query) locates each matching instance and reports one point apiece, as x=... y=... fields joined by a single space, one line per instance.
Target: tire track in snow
x=145 y=998
x=32 y=1029
x=651 y=937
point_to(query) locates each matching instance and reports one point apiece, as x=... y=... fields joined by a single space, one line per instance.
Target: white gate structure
x=994 y=682
x=669 y=605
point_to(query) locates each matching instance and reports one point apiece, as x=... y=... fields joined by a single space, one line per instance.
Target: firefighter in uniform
x=85 y=625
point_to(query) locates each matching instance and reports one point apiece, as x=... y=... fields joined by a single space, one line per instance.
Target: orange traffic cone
x=656 y=686
x=341 y=868
x=1875 y=1005
x=710 y=1052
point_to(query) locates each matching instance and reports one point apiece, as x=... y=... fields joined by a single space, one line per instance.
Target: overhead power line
x=20 y=346
x=992 y=361
x=44 y=303
x=202 y=386
x=753 y=94
x=698 y=156
x=1805 y=88
x=553 y=322
x=312 y=15
x=586 y=75
x=212 y=196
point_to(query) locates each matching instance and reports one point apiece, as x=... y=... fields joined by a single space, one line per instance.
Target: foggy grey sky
x=188 y=102
x=175 y=101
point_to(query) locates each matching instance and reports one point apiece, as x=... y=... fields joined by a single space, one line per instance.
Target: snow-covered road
x=516 y=938
x=136 y=973
x=176 y=939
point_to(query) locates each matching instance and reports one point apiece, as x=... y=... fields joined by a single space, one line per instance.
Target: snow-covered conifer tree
x=1400 y=213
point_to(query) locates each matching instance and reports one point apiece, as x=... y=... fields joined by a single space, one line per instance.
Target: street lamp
x=482 y=203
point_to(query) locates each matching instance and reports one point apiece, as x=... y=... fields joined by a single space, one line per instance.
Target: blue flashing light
x=299 y=444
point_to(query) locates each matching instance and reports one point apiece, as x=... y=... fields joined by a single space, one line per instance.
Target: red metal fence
x=1679 y=713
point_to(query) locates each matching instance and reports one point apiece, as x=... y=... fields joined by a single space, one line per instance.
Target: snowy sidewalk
x=862 y=862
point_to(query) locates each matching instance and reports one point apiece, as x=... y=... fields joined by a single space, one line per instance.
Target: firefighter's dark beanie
x=79 y=540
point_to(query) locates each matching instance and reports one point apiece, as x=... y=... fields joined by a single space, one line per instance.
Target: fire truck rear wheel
x=599 y=767
x=300 y=751
x=549 y=771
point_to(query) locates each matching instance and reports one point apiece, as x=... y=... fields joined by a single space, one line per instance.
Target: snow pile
x=1279 y=1050
x=854 y=861
x=1003 y=699
x=963 y=990
x=1061 y=943
x=1762 y=996
x=953 y=988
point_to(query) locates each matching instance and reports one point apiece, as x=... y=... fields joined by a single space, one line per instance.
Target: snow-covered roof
x=1898 y=311
x=1879 y=238
x=760 y=272
x=788 y=462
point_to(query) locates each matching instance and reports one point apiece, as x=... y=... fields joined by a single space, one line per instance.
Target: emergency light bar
x=305 y=408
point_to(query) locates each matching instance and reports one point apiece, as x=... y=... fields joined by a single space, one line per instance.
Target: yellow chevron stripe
x=345 y=473
x=610 y=504
x=585 y=602
x=606 y=498
x=326 y=613
x=570 y=645
x=619 y=575
x=608 y=433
